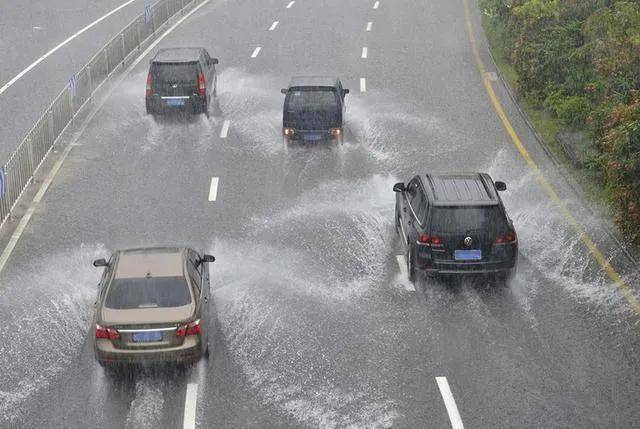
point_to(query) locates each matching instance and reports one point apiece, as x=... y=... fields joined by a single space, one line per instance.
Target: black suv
x=181 y=79
x=455 y=223
x=313 y=109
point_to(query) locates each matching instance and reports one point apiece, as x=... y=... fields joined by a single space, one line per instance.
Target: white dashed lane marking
x=274 y=25
x=369 y=24
x=364 y=52
x=60 y=45
x=225 y=129
x=213 y=188
x=190 y=402
x=256 y=51
x=363 y=85
x=291 y=3
x=376 y=5
x=449 y=403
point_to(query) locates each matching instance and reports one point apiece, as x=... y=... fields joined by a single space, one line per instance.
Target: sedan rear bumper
x=189 y=352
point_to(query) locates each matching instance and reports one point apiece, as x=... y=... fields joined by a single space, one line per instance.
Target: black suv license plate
x=468 y=255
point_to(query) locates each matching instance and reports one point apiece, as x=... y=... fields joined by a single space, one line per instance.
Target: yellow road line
x=618 y=281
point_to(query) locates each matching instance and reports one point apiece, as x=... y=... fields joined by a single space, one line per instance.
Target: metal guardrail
x=34 y=148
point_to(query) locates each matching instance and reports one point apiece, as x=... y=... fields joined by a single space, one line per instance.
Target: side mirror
x=100 y=263
x=501 y=186
x=345 y=91
x=398 y=187
x=284 y=90
x=214 y=61
x=207 y=258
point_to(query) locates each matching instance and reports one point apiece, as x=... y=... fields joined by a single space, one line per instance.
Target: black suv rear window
x=449 y=220
x=311 y=99
x=148 y=293
x=176 y=72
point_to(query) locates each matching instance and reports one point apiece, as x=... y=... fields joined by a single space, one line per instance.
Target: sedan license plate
x=468 y=255
x=313 y=137
x=147 y=337
x=175 y=102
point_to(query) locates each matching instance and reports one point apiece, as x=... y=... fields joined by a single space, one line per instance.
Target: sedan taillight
x=107 y=333
x=192 y=328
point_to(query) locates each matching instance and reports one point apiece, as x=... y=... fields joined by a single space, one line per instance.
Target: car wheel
x=411 y=268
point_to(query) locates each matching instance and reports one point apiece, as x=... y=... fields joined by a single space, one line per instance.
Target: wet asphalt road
x=27 y=32
x=315 y=325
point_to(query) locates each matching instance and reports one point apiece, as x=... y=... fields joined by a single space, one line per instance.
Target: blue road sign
x=73 y=84
x=3 y=182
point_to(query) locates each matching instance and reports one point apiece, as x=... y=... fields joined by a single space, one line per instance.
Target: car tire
x=411 y=267
x=205 y=108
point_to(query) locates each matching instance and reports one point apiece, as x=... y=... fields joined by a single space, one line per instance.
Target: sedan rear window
x=176 y=72
x=451 y=220
x=149 y=292
x=312 y=99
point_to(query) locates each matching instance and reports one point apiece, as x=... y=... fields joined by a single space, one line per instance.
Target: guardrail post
x=71 y=110
x=106 y=58
x=90 y=81
x=30 y=155
x=123 y=48
x=50 y=126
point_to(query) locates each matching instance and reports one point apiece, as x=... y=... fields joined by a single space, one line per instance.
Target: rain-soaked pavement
x=315 y=325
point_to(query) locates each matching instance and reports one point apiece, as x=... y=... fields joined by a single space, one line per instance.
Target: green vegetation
x=576 y=67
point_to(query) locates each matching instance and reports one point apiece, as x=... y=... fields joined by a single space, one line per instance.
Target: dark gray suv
x=181 y=79
x=314 y=110
x=455 y=224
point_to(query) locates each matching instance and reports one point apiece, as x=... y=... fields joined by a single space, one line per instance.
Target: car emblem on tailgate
x=175 y=85
x=468 y=241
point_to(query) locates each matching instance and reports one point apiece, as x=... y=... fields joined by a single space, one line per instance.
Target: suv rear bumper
x=452 y=267
x=193 y=103
x=302 y=136
x=190 y=351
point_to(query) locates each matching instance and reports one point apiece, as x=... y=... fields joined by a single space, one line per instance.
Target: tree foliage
x=581 y=60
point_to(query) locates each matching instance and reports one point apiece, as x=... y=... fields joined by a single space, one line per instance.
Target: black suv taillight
x=149 y=81
x=202 y=84
x=508 y=238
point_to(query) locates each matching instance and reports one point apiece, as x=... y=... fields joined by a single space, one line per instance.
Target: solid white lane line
x=6 y=253
x=402 y=264
x=291 y=3
x=213 y=189
x=376 y=4
x=363 y=85
x=274 y=25
x=450 y=403
x=256 y=51
x=369 y=24
x=364 y=52
x=225 y=129
x=190 y=402
x=52 y=51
